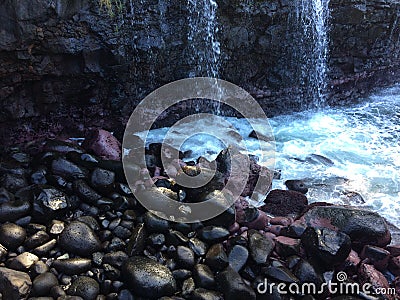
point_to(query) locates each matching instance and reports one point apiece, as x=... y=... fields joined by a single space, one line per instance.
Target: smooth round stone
x=296 y=185
x=238 y=257
x=89 y=221
x=203 y=276
x=12 y=236
x=84 y=287
x=181 y=274
x=11 y=211
x=148 y=278
x=102 y=179
x=216 y=257
x=72 y=266
x=185 y=257
x=43 y=283
x=78 y=238
x=155 y=224
x=213 y=234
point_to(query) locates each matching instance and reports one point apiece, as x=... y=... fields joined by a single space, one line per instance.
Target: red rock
x=260 y=223
x=275 y=229
x=103 y=144
x=396 y=284
x=394 y=265
x=286 y=246
x=377 y=256
x=281 y=221
x=394 y=250
x=368 y=274
x=285 y=203
x=353 y=260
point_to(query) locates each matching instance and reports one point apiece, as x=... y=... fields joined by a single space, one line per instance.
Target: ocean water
x=347 y=155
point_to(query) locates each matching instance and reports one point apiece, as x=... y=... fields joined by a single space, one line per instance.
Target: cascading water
x=312 y=50
x=203 y=45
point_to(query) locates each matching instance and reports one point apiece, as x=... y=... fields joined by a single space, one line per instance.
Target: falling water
x=313 y=16
x=203 y=44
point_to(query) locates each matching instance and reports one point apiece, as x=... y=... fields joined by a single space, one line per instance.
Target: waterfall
x=312 y=19
x=203 y=45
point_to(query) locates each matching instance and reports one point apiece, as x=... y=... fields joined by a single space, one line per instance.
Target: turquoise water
x=336 y=151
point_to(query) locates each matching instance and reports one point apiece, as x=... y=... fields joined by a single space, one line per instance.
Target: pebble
x=23 y=261
x=80 y=239
x=72 y=266
x=85 y=287
x=330 y=246
x=213 y=234
x=185 y=257
x=12 y=211
x=238 y=257
x=203 y=276
x=12 y=236
x=260 y=247
x=216 y=257
x=199 y=247
x=233 y=287
x=14 y=285
x=43 y=283
x=148 y=278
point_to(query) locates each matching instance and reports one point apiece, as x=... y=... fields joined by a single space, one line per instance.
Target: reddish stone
x=103 y=144
x=284 y=221
x=260 y=223
x=394 y=265
x=394 y=250
x=353 y=260
x=285 y=203
x=275 y=229
x=368 y=274
x=396 y=285
x=377 y=256
x=286 y=246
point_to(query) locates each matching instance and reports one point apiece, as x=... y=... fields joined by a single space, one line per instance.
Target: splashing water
x=312 y=17
x=346 y=156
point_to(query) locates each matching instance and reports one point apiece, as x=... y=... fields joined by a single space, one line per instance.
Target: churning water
x=345 y=155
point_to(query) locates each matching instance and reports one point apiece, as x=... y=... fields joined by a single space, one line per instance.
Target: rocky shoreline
x=70 y=228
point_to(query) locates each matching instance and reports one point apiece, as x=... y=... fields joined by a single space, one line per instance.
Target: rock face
x=76 y=63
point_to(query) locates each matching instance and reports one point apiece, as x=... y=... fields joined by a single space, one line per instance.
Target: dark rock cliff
x=66 y=65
